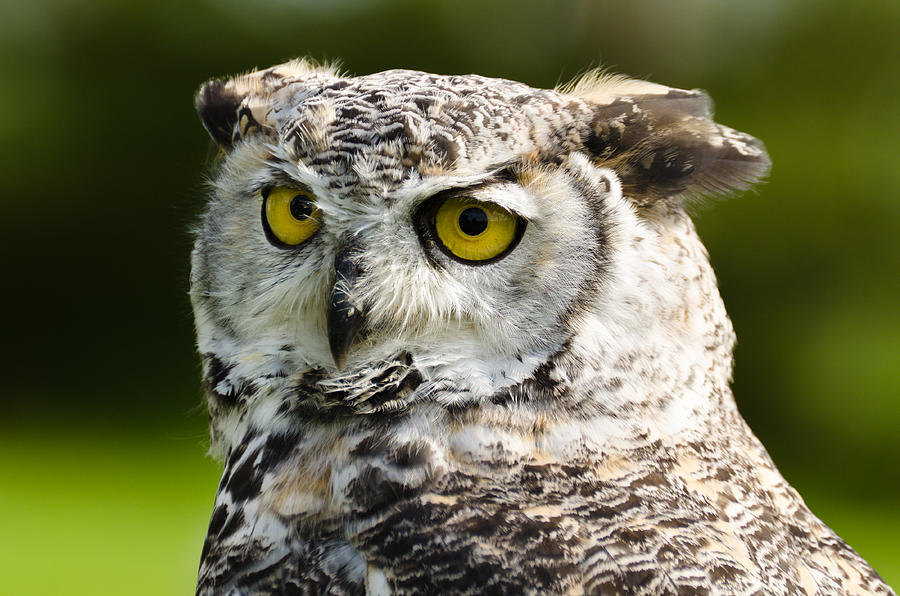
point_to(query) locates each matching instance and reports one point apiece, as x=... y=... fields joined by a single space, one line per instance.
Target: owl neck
x=655 y=349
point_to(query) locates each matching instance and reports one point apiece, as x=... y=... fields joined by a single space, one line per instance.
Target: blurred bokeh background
x=104 y=486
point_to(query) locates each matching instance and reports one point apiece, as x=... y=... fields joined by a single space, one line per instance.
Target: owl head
x=375 y=241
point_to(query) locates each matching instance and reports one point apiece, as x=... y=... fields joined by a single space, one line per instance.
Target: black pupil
x=301 y=207
x=473 y=221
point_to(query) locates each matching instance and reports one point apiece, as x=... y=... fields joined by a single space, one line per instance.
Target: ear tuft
x=662 y=142
x=690 y=159
x=217 y=105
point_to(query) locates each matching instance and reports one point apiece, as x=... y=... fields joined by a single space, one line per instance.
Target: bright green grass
x=127 y=515
x=102 y=515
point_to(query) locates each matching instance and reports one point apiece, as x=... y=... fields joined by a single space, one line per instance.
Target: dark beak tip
x=344 y=325
x=339 y=352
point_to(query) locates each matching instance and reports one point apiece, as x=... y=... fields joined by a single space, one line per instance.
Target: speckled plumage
x=557 y=421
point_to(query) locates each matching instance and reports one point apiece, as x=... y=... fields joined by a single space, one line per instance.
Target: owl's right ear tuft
x=217 y=105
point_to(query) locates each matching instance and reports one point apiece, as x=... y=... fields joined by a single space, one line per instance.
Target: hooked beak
x=345 y=320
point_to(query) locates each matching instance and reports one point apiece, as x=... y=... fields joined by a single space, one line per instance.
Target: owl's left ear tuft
x=689 y=159
x=217 y=105
x=662 y=142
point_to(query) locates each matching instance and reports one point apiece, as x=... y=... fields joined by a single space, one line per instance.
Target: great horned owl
x=459 y=335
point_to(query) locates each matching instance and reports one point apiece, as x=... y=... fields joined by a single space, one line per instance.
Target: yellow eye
x=290 y=215
x=476 y=232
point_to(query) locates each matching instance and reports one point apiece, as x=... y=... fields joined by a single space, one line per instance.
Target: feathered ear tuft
x=234 y=108
x=217 y=105
x=662 y=142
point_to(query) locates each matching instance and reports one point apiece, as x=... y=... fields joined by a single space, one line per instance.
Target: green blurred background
x=104 y=486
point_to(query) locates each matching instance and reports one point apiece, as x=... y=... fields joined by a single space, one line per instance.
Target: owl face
x=484 y=265
x=464 y=226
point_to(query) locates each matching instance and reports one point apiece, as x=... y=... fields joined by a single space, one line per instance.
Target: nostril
x=346 y=261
